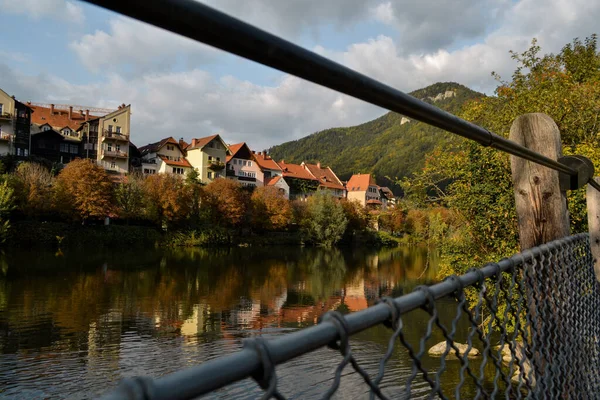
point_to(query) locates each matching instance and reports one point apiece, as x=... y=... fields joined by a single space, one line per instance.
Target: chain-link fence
x=533 y=333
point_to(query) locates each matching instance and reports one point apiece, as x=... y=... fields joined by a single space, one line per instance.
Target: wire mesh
x=533 y=331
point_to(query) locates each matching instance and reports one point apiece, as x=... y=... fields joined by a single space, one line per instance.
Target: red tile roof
x=325 y=175
x=272 y=181
x=155 y=147
x=374 y=202
x=234 y=148
x=360 y=183
x=295 y=171
x=266 y=162
x=181 y=163
x=387 y=192
x=60 y=118
x=201 y=142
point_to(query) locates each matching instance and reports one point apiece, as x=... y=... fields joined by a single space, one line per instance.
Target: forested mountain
x=389 y=146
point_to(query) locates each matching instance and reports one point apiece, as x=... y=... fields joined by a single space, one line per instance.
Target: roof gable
x=360 y=183
x=266 y=162
x=240 y=150
x=295 y=171
x=60 y=118
x=200 y=143
x=156 y=146
x=325 y=175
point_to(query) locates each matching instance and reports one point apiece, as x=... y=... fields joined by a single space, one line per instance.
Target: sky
x=69 y=52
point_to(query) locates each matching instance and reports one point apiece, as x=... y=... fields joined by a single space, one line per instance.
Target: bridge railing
x=534 y=318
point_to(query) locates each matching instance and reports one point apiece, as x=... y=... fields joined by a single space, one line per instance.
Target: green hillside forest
x=389 y=147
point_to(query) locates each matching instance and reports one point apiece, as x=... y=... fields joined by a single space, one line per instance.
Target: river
x=73 y=324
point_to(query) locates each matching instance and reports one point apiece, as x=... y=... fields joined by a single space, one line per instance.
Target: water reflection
x=73 y=325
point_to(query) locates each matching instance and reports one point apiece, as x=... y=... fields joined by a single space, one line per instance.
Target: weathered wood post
x=542 y=217
x=593 y=209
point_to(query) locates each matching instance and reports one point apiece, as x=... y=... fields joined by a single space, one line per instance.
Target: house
x=88 y=131
x=60 y=118
x=207 y=155
x=269 y=167
x=241 y=166
x=387 y=197
x=362 y=188
x=327 y=178
x=295 y=182
x=55 y=147
x=113 y=140
x=164 y=157
x=15 y=123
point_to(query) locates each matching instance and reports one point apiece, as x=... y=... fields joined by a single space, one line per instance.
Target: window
x=178 y=171
x=210 y=175
x=113 y=165
x=110 y=128
x=74 y=149
x=244 y=163
x=64 y=148
x=234 y=161
x=118 y=146
x=211 y=145
x=118 y=129
x=66 y=132
x=25 y=152
x=210 y=158
x=249 y=163
x=109 y=147
x=45 y=128
x=18 y=151
x=169 y=147
x=1 y=108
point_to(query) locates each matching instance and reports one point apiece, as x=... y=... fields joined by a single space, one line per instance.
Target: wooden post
x=593 y=209
x=541 y=206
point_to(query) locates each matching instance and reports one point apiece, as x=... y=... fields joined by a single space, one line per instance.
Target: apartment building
x=164 y=157
x=208 y=155
x=15 y=122
x=241 y=166
x=113 y=140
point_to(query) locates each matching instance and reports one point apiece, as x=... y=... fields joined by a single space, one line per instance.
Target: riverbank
x=64 y=235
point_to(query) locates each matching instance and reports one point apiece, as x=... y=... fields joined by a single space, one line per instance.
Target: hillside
x=389 y=146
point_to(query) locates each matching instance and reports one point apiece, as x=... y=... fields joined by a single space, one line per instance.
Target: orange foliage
x=270 y=209
x=85 y=188
x=227 y=201
x=167 y=198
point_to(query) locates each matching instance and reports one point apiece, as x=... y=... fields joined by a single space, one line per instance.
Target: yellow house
x=7 y=113
x=164 y=157
x=113 y=138
x=208 y=155
x=15 y=126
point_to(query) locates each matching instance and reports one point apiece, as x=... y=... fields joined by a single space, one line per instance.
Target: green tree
x=33 y=184
x=129 y=198
x=6 y=206
x=325 y=223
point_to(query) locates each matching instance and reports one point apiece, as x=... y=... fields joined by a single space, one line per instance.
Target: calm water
x=73 y=324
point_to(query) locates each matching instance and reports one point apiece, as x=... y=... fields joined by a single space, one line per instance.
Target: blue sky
x=71 y=52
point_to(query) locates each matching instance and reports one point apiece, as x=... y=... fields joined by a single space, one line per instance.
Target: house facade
x=55 y=147
x=362 y=188
x=113 y=140
x=15 y=126
x=164 y=157
x=269 y=167
x=300 y=182
x=208 y=155
x=328 y=180
x=241 y=166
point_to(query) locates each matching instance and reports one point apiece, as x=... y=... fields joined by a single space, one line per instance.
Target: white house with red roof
x=362 y=188
x=243 y=167
x=164 y=157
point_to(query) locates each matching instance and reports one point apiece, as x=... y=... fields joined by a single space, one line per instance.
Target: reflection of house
x=296 y=182
x=362 y=188
x=242 y=166
x=15 y=122
x=328 y=180
x=164 y=157
x=207 y=156
x=354 y=296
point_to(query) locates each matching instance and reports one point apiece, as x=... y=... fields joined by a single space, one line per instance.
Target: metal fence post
x=593 y=209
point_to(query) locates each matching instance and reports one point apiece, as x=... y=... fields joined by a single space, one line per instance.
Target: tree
x=166 y=199
x=326 y=221
x=227 y=202
x=129 y=197
x=85 y=190
x=6 y=206
x=33 y=187
x=357 y=216
x=270 y=209
x=192 y=177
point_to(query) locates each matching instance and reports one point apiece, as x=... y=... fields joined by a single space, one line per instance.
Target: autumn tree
x=129 y=197
x=166 y=199
x=270 y=209
x=33 y=185
x=326 y=221
x=226 y=201
x=357 y=216
x=6 y=206
x=84 y=189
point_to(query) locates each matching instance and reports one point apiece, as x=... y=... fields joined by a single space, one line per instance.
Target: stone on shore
x=439 y=349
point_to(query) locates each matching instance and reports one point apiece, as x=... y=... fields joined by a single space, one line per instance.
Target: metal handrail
x=205 y=24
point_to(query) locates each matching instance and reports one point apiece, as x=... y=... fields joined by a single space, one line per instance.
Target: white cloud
x=36 y=9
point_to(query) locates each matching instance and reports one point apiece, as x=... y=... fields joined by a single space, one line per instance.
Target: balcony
x=5 y=136
x=229 y=172
x=115 y=136
x=5 y=116
x=114 y=153
x=216 y=165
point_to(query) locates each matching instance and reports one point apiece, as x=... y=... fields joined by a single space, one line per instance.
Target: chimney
x=283 y=161
x=51 y=109
x=253 y=152
x=87 y=115
x=28 y=103
x=70 y=113
x=319 y=164
x=81 y=113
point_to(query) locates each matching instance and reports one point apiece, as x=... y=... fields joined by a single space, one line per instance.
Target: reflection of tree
x=321 y=272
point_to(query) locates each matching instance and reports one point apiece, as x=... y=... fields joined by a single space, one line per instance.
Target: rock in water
x=439 y=349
